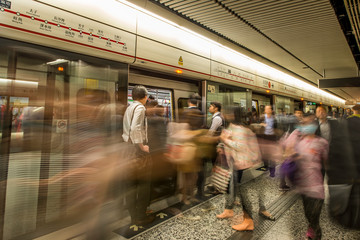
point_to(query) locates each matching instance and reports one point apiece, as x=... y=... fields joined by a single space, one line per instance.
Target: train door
x=261 y=101
x=173 y=96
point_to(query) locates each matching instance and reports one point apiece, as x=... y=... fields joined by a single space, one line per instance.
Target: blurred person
x=309 y=152
x=347 y=113
x=193 y=172
x=254 y=116
x=162 y=170
x=294 y=123
x=135 y=134
x=354 y=133
x=193 y=115
x=339 y=167
x=268 y=140
x=334 y=115
x=348 y=194
x=238 y=141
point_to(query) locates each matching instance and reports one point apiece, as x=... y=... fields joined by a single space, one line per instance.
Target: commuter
x=135 y=134
x=217 y=120
x=348 y=194
x=309 y=152
x=254 y=116
x=335 y=132
x=268 y=141
x=339 y=167
x=156 y=126
x=354 y=132
x=193 y=115
x=193 y=172
x=347 y=113
x=157 y=134
x=242 y=152
x=286 y=166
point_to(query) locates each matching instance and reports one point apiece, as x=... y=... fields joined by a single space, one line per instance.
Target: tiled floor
x=199 y=224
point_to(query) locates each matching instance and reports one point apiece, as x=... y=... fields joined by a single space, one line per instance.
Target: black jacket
x=339 y=166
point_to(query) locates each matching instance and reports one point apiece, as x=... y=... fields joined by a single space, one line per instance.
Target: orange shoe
x=246 y=225
x=228 y=213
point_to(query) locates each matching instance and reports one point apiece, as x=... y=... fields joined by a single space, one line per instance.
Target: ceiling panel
x=304 y=37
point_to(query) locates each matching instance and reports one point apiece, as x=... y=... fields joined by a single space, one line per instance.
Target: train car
x=66 y=74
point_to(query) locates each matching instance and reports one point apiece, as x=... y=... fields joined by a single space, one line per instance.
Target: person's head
x=298 y=114
x=348 y=111
x=194 y=99
x=214 y=107
x=356 y=109
x=321 y=113
x=139 y=93
x=160 y=110
x=308 y=124
x=150 y=107
x=268 y=109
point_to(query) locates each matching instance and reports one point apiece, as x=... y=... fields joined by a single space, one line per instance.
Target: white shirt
x=325 y=130
x=135 y=127
x=216 y=122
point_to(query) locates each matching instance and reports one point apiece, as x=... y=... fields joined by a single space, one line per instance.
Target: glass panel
x=229 y=97
x=62 y=105
x=27 y=101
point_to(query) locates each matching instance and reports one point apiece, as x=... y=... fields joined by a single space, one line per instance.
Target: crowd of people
x=304 y=148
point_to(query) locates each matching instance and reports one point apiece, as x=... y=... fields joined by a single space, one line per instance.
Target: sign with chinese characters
x=5 y=4
x=230 y=73
x=41 y=20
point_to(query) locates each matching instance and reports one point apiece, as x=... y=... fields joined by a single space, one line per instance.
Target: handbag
x=221 y=174
x=181 y=153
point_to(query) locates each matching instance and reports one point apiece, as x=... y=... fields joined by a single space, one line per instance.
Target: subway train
x=66 y=74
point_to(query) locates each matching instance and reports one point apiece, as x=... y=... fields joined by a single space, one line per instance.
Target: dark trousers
x=312 y=208
x=138 y=185
x=201 y=178
x=138 y=198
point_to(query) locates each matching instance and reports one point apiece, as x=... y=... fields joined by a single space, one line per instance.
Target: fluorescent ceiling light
x=57 y=61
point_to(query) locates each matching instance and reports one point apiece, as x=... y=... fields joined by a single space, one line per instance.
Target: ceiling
x=312 y=39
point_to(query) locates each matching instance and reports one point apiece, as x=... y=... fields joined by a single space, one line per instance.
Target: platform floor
x=200 y=222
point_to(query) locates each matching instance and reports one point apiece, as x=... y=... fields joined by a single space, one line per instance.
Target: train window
x=163 y=97
x=228 y=96
x=182 y=103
